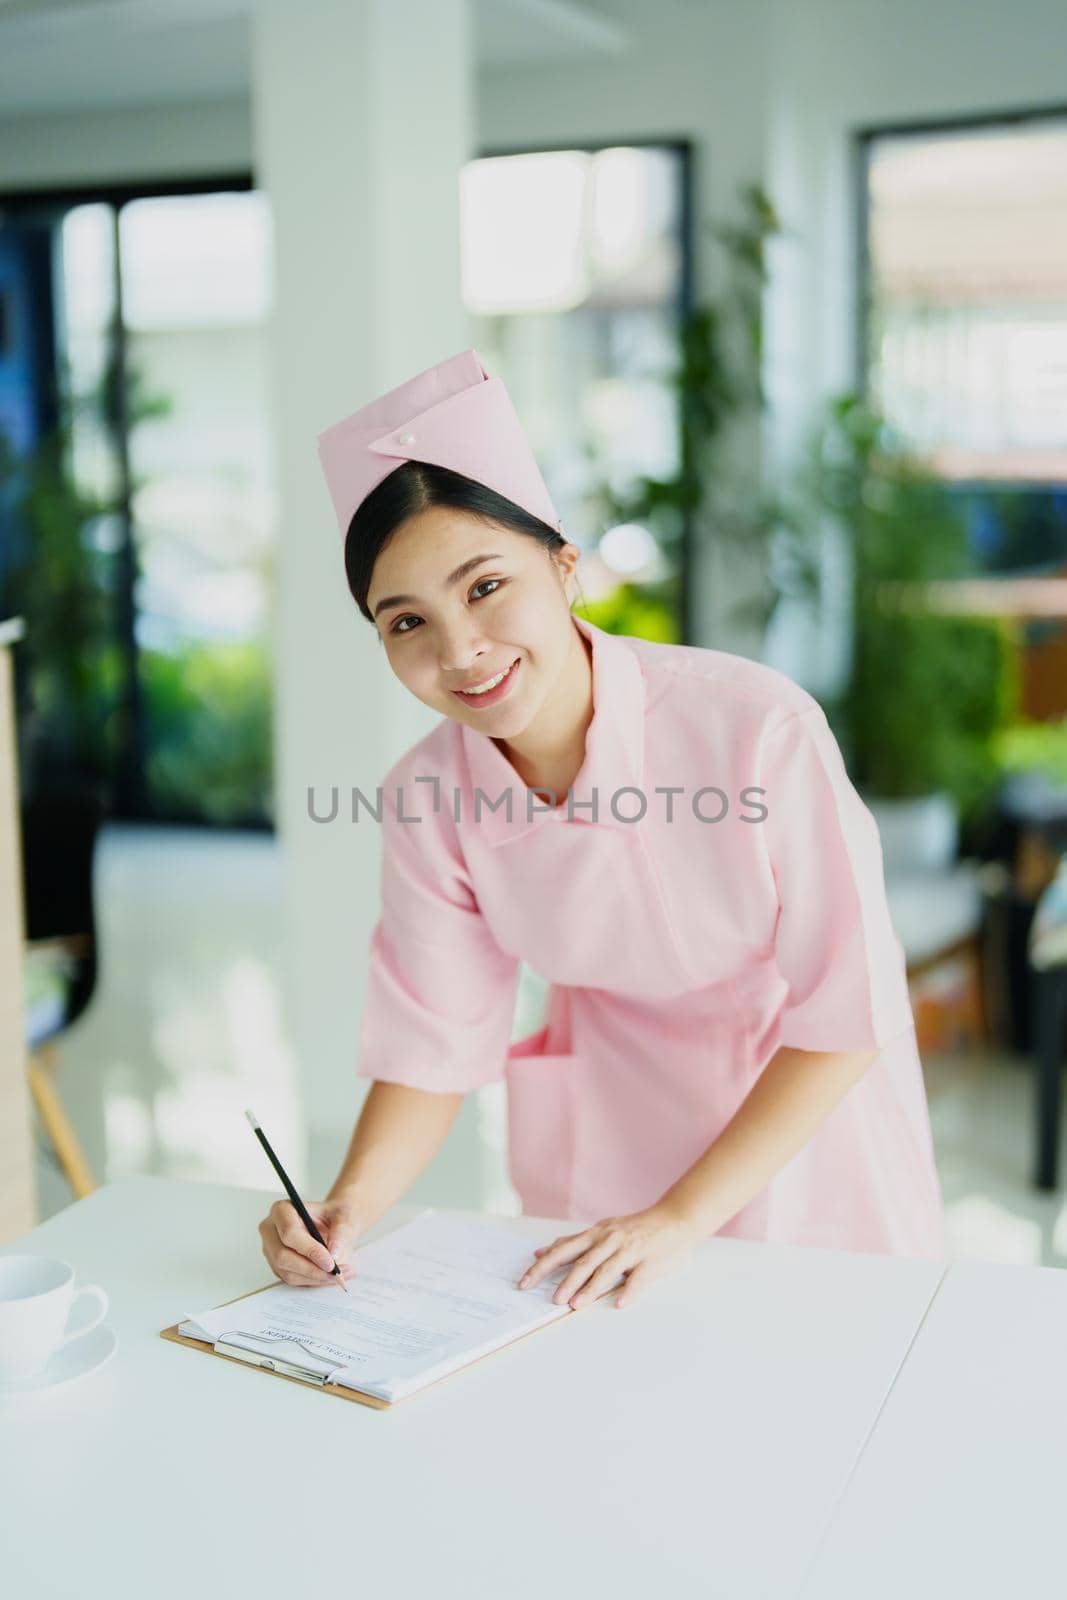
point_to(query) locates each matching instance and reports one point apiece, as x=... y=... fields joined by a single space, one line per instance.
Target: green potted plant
x=74 y=682
x=718 y=494
x=59 y=579
x=928 y=692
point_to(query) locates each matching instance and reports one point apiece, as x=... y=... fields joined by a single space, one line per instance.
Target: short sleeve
x=440 y=992
x=835 y=945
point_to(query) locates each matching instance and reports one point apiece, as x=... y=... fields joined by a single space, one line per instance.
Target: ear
x=566 y=559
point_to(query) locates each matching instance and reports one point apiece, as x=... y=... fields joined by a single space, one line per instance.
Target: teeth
x=484 y=688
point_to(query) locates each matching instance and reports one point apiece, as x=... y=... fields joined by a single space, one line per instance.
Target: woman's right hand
x=294 y=1256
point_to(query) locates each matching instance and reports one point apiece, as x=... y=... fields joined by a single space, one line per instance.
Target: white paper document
x=426 y=1299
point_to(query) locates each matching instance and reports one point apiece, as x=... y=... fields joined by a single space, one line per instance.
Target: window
x=150 y=633
x=575 y=272
x=966 y=321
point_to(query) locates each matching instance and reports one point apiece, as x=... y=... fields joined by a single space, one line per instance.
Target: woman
x=665 y=833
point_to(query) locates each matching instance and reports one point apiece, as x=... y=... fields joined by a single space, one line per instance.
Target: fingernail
x=524 y=1280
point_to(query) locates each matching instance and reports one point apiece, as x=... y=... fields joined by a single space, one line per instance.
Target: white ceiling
x=81 y=55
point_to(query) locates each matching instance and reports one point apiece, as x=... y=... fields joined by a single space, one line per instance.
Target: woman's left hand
x=641 y=1247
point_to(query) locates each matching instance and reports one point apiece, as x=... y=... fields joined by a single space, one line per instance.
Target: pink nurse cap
x=453 y=415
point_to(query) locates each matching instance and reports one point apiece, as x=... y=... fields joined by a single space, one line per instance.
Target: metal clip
x=288 y=1369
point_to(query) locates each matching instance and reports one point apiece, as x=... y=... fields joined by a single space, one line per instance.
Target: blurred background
x=779 y=288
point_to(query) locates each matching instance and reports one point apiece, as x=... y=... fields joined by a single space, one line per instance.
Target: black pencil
x=305 y=1215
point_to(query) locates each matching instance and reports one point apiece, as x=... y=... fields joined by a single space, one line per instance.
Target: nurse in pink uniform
x=666 y=834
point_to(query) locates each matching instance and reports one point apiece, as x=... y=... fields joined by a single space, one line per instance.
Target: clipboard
x=292 y=1371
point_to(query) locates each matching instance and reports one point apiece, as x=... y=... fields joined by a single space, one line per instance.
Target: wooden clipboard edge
x=174 y=1337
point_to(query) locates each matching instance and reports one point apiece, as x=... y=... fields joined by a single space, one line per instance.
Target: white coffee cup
x=37 y=1294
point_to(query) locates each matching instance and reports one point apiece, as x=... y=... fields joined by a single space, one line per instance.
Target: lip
x=491 y=696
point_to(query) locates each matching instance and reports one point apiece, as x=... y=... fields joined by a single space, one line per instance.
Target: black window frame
x=862 y=140
x=128 y=801
x=973 y=489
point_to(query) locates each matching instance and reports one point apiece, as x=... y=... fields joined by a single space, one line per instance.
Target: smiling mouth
x=488 y=696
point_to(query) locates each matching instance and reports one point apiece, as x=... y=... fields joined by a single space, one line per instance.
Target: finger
x=340 y=1248
x=340 y=1231
x=584 y=1268
x=532 y=1274
x=555 y=1255
x=603 y=1278
x=294 y=1267
x=636 y=1281
x=295 y=1237
x=302 y=1279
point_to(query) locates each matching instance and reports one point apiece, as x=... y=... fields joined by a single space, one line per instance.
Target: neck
x=549 y=753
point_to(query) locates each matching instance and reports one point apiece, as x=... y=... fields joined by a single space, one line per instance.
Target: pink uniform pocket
x=541 y=1125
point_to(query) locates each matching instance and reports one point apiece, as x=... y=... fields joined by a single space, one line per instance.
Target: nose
x=461 y=645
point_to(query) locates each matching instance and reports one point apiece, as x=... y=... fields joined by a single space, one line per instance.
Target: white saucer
x=73 y=1361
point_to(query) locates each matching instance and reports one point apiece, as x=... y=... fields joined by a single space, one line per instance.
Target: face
x=458 y=601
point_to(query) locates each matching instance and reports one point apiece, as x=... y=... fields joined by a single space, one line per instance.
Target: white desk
x=961 y=1488
x=697 y=1443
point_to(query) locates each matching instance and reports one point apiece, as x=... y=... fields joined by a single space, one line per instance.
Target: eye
x=492 y=584
x=496 y=582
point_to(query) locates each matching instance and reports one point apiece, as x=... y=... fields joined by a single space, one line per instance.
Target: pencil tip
x=252 y=1118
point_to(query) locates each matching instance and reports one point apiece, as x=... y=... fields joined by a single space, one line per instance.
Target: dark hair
x=414 y=487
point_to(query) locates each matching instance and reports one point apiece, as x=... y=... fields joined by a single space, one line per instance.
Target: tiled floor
x=186 y=1029
x=981 y=1112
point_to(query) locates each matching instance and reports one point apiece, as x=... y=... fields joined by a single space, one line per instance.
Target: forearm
x=792 y=1096
x=398 y=1132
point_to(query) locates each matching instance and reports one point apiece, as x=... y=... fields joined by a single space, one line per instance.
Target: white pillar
x=362 y=119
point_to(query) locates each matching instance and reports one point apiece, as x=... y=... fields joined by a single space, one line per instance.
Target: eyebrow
x=453 y=577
